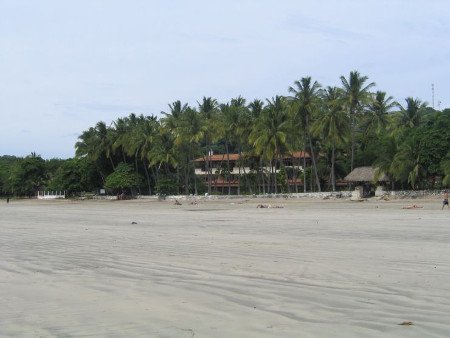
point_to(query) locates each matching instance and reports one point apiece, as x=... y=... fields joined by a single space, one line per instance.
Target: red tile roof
x=218 y=158
x=235 y=157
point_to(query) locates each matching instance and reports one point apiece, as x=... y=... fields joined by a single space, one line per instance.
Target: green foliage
x=445 y=165
x=282 y=179
x=28 y=175
x=74 y=176
x=341 y=127
x=166 y=186
x=123 y=178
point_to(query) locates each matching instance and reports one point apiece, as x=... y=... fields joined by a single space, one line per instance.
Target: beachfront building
x=364 y=179
x=230 y=173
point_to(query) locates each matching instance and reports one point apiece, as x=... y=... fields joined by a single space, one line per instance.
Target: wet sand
x=224 y=268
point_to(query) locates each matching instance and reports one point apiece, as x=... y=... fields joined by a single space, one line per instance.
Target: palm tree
x=163 y=153
x=172 y=119
x=189 y=136
x=141 y=140
x=240 y=124
x=379 y=109
x=172 y=123
x=270 y=133
x=255 y=107
x=208 y=109
x=332 y=124
x=306 y=102
x=228 y=123
x=411 y=116
x=357 y=96
x=407 y=165
x=95 y=144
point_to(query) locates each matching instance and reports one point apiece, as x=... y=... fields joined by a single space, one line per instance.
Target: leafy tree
x=123 y=178
x=75 y=176
x=28 y=175
x=445 y=165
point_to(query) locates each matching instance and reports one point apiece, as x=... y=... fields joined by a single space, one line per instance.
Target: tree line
x=340 y=127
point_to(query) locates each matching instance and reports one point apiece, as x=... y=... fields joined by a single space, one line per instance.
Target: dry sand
x=224 y=269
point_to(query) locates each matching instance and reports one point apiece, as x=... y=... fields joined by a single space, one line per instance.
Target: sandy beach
x=311 y=268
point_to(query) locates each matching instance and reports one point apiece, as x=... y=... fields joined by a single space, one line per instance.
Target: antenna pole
x=432 y=94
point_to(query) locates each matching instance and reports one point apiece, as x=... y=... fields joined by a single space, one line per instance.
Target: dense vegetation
x=341 y=127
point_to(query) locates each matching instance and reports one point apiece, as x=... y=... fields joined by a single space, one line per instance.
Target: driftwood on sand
x=268 y=206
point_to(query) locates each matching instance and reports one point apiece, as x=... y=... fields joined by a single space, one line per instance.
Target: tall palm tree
x=208 y=109
x=173 y=124
x=270 y=133
x=163 y=153
x=255 y=107
x=172 y=119
x=228 y=123
x=241 y=124
x=141 y=140
x=407 y=165
x=385 y=158
x=188 y=141
x=357 y=95
x=411 y=116
x=332 y=124
x=305 y=102
x=378 y=112
x=95 y=144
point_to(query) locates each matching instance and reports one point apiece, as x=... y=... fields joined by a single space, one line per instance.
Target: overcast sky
x=65 y=65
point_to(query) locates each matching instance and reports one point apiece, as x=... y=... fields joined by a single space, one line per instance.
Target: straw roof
x=365 y=174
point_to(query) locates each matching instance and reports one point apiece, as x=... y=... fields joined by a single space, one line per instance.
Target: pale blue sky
x=64 y=65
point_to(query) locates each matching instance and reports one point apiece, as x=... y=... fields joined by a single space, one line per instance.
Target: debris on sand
x=413 y=207
x=193 y=203
x=406 y=323
x=177 y=202
x=268 y=206
x=133 y=222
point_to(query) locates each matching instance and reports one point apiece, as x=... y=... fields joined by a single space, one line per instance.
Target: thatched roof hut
x=365 y=174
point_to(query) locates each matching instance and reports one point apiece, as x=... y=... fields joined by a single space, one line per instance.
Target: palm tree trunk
x=249 y=186
x=209 y=169
x=274 y=171
x=239 y=168
x=228 y=168
x=333 y=177
x=147 y=177
x=261 y=170
x=112 y=163
x=313 y=157
x=352 y=126
x=304 y=164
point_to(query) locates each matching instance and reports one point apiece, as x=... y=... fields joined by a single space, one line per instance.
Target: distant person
x=7 y=199
x=445 y=202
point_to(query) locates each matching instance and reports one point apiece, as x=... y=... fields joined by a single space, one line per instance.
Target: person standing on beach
x=7 y=200
x=445 y=202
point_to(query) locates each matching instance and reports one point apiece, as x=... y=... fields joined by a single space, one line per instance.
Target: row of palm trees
x=312 y=118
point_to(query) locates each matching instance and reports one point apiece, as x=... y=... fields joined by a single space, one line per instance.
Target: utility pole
x=432 y=95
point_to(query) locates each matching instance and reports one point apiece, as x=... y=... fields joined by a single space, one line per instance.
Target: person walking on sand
x=445 y=202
